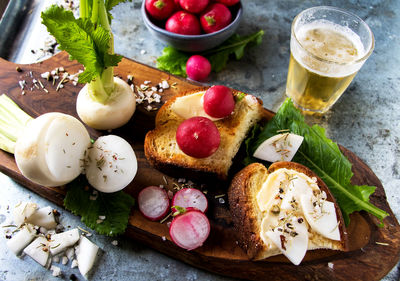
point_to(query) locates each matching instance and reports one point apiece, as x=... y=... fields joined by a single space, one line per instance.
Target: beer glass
x=327 y=48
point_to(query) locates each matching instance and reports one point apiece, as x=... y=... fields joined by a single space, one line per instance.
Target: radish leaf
x=321 y=155
x=115 y=207
x=174 y=61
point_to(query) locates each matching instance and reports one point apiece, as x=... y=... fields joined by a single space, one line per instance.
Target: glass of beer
x=327 y=48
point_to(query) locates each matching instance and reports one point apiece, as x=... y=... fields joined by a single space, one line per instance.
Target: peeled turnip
x=61 y=241
x=111 y=165
x=116 y=111
x=51 y=148
x=23 y=211
x=39 y=251
x=43 y=217
x=19 y=241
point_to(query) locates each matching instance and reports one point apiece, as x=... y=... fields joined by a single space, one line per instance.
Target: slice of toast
x=163 y=152
x=248 y=217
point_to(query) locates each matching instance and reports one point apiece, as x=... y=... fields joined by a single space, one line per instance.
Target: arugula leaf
x=79 y=37
x=322 y=156
x=174 y=61
x=115 y=207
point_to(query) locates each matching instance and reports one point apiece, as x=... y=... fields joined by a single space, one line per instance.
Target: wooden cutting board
x=374 y=250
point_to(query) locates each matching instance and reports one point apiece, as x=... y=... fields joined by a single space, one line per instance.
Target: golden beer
x=324 y=59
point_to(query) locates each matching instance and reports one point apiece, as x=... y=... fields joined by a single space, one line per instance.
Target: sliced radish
x=153 y=203
x=190 y=197
x=112 y=164
x=190 y=230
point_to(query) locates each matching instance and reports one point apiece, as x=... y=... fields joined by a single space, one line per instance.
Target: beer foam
x=333 y=44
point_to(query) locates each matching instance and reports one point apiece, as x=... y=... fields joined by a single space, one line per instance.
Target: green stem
x=83 y=9
x=13 y=120
x=95 y=11
x=97 y=91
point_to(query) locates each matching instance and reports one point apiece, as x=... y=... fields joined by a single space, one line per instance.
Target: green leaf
x=85 y=43
x=321 y=155
x=115 y=207
x=174 y=61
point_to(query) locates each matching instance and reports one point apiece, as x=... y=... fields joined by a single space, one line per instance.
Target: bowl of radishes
x=192 y=25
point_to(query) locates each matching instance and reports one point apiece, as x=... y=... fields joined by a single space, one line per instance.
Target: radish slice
x=190 y=197
x=190 y=230
x=112 y=164
x=153 y=203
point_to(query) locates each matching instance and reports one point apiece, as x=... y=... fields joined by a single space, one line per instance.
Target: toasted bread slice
x=248 y=217
x=163 y=153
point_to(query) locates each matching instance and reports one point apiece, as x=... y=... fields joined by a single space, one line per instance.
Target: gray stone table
x=365 y=120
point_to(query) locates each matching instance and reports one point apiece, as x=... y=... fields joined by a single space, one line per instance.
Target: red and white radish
x=111 y=164
x=190 y=230
x=193 y=6
x=198 y=68
x=160 y=9
x=153 y=203
x=183 y=23
x=198 y=137
x=218 y=101
x=215 y=17
x=190 y=197
x=228 y=2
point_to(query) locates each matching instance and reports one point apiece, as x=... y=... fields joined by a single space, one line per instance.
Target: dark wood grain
x=367 y=260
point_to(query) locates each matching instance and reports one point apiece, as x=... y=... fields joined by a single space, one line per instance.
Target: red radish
x=218 y=101
x=183 y=23
x=198 y=137
x=190 y=197
x=198 y=68
x=160 y=9
x=177 y=5
x=215 y=17
x=190 y=230
x=228 y=2
x=153 y=203
x=193 y=6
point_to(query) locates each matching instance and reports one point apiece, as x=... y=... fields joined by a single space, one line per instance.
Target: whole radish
x=183 y=23
x=190 y=198
x=193 y=6
x=153 y=203
x=198 y=68
x=160 y=9
x=215 y=17
x=190 y=230
x=228 y=2
x=218 y=101
x=198 y=137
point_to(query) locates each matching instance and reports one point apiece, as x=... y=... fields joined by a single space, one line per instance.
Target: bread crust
x=176 y=162
x=247 y=216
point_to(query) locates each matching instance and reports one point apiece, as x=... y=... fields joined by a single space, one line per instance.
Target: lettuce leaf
x=174 y=61
x=321 y=155
x=116 y=207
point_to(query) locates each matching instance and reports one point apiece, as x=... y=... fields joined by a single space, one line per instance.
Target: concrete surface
x=365 y=120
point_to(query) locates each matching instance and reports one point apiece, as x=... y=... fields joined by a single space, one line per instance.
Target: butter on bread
x=163 y=153
x=248 y=217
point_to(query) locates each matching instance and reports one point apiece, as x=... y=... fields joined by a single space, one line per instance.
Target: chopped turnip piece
x=20 y=240
x=56 y=270
x=112 y=164
x=23 y=211
x=60 y=241
x=70 y=252
x=39 y=251
x=43 y=217
x=86 y=254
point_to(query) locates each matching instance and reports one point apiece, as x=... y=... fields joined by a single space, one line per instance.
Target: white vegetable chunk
x=23 y=211
x=112 y=164
x=20 y=240
x=281 y=147
x=86 y=254
x=117 y=110
x=294 y=246
x=321 y=217
x=43 y=217
x=61 y=241
x=39 y=251
x=39 y=151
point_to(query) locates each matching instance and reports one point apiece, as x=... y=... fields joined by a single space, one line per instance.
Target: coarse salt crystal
x=56 y=270
x=114 y=243
x=164 y=238
x=330 y=265
x=102 y=217
x=142 y=52
x=147 y=82
x=164 y=84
